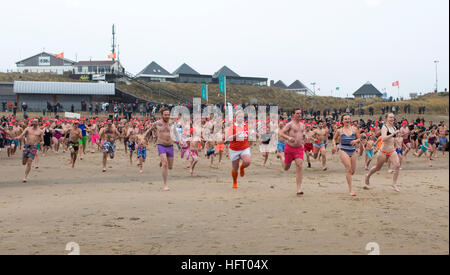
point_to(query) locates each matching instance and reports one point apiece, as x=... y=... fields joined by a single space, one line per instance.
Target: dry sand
x=122 y=212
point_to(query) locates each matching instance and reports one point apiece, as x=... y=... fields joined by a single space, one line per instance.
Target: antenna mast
x=113 y=42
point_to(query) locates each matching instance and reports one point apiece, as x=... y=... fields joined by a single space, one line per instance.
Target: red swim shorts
x=308 y=147
x=292 y=153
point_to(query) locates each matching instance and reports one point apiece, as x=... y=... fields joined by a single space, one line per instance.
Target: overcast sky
x=335 y=43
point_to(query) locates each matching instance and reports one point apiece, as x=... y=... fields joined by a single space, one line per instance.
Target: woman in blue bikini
x=347 y=136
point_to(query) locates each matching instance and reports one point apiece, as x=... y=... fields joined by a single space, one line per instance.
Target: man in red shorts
x=293 y=151
x=308 y=144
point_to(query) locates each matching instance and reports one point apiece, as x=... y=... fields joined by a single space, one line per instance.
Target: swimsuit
x=442 y=141
x=424 y=148
x=57 y=134
x=210 y=151
x=194 y=154
x=265 y=138
x=292 y=153
x=309 y=147
x=94 y=138
x=432 y=140
x=183 y=151
x=400 y=152
x=235 y=155
x=74 y=145
x=369 y=153
x=319 y=145
x=47 y=138
x=281 y=146
x=142 y=152
x=388 y=153
x=220 y=147
x=345 y=143
x=168 y=150
x=109 y=147
x=131 y=146
x=29 y=151
x=10 y=141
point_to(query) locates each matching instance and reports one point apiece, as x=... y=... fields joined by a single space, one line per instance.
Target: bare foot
x=104 y=170
x=166 y=188
x=191 y=172
x=367 y=180
x=324 y=169
x=24 y=180
x=140 y=171
x=367 y=168
x=299 y=193
x=391 y=171
x=396 y=188
x=352 y=194
x=160 y=164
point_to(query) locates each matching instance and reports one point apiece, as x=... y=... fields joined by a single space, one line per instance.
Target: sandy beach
x=123 y=212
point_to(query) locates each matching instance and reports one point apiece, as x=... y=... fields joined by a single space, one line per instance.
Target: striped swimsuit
x=345 y=143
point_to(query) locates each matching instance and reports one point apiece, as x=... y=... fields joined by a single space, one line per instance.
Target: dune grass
x=242 y=94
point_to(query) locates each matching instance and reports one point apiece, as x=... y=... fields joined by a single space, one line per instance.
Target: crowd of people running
x=384 y=140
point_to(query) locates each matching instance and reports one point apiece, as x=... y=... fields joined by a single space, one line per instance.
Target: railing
x=162 y=91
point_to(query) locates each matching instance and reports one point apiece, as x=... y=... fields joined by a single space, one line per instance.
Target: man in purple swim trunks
x=164 y=141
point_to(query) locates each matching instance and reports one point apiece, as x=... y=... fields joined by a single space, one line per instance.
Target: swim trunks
x=83 y=141
x=235 y=155
x=309 y=147
x=131 y=146
x=29 y=151
x=292 y=153
x=210 y=152
x=94 y=138
x=142 y=152
x=280 y=146
x=168 y=150
x=74 y=146
x=109 y=147
x=220 y=147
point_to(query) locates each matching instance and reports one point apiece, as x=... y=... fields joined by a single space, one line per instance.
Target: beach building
x=367 y=91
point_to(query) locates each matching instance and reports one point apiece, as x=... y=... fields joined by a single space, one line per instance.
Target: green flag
x=222 y=83
x=337 y=88
x=204 y=91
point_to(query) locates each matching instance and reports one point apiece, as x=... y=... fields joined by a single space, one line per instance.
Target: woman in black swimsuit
x=47 y=138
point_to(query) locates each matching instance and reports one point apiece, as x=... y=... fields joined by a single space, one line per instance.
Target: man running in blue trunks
x=320 y=138
x=281 y=143
x=108 y=134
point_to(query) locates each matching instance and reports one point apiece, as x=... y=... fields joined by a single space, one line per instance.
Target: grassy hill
x=434 y=103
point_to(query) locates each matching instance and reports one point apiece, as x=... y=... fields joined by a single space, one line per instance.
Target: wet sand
x=123 y=212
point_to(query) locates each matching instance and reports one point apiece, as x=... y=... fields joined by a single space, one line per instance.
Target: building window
x=80 y=69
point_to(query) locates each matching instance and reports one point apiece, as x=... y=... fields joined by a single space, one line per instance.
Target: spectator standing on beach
x=24 y=109
x=15 y=108
x=4 y=106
